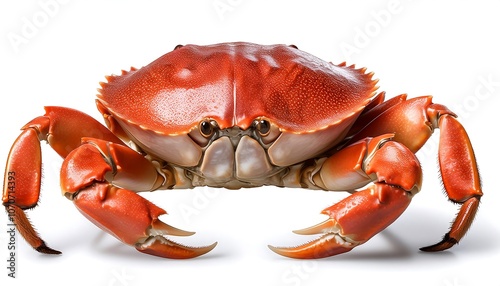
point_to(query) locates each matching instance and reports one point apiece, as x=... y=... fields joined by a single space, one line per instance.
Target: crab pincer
x=100 y=192
x=134 y=220
x=351 y=222
x=358 y=217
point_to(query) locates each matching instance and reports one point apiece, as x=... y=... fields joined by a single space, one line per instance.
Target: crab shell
x=309 y=103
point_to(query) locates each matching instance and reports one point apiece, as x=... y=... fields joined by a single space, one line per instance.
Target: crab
x=241 y=115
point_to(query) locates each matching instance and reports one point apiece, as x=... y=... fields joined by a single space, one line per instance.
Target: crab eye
x=206 y=128
x=265 y=130
x=263 y=127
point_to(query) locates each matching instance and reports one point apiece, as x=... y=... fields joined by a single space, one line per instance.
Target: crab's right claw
x=397 y=177
x=351 y=222
x=329 y=244
x=134 y=220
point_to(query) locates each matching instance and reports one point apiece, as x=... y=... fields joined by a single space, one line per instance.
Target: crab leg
x=117 y=210
x=62 y=128
x=460 y=179
x=413 y=122
x=357 y=218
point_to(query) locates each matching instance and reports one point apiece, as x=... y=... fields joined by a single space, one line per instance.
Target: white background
x=56 y=53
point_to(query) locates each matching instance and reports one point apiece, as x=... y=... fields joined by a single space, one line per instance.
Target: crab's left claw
x=91 y=175
x=357 y=218
x=134 y=220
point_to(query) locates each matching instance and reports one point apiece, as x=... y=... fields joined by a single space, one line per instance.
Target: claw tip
x=163 y=247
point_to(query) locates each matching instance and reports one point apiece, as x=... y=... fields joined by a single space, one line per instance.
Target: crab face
x=236 y=112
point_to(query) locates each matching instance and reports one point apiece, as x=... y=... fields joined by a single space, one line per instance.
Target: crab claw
x=351 y=222
x=157 y=244
x=163 y=247
x=134 y=220
x=329 y=244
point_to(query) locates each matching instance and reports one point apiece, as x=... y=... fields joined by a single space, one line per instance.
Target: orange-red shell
x=235 y=83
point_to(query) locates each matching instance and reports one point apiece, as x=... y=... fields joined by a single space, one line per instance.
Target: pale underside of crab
x=239 y=115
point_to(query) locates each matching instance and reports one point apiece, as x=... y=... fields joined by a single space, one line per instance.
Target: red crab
x=239 y=115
